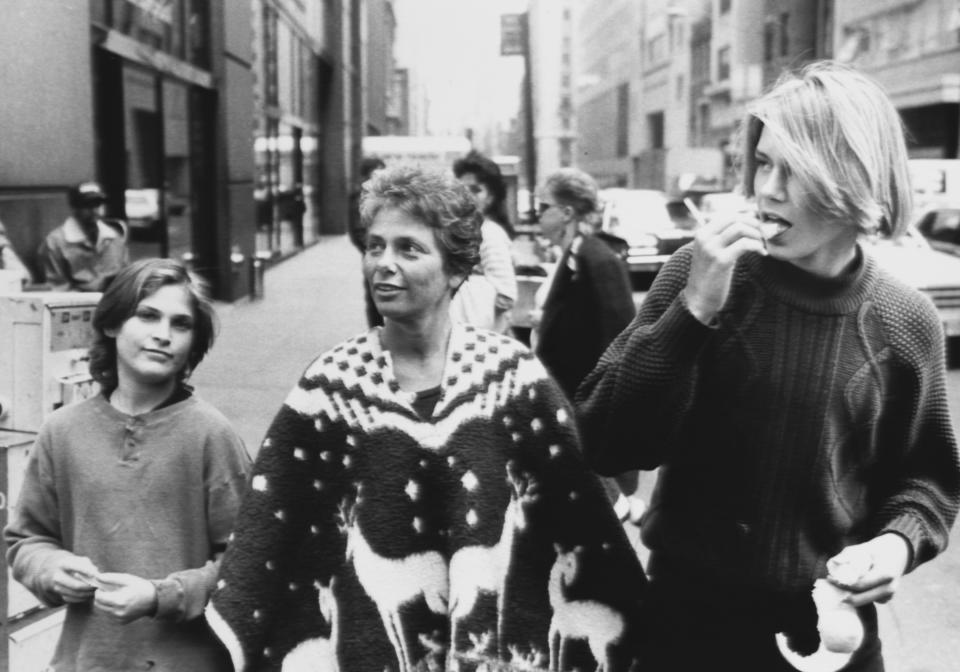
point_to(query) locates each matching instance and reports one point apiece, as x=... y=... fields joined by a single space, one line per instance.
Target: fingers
x=871 y=570
x=124 y=597
x=727 y=241
x=75 y=579
x=72 y=588
x=881 y=593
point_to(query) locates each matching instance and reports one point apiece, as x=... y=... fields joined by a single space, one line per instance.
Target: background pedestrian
x=490 y=291
x=85 y=252
x=587 y=301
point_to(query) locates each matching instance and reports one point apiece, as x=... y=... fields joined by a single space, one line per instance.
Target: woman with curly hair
x=419 y=502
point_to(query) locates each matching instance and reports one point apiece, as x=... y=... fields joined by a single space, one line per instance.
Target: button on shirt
x=72 y=263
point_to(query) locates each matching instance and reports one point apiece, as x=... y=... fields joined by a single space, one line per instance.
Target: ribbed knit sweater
x=812 y=417
x=376 y=539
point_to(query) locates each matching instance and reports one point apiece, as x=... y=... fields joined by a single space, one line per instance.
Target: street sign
x=512 y=29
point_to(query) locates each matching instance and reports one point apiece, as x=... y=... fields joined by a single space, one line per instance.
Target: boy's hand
x=125 y=597
x=75 y=579
x=870 y=571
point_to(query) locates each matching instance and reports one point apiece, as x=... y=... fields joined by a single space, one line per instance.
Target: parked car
x=913 y=260
x=653 y=226
x=940 y=225
x=723 y=203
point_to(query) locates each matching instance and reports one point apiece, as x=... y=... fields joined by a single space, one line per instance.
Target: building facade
x=219 y=129
x=912 y=47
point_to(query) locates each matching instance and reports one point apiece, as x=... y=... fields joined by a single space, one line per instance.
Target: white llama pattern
x=597 y=623
x=477 y=569
x=319 y=653
x=393 y=583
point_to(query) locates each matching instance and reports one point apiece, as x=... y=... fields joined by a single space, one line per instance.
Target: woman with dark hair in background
x=129 y=496
x=488 y=295
x=420 y=501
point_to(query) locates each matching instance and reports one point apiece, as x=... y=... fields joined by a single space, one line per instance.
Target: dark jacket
x=584 y=311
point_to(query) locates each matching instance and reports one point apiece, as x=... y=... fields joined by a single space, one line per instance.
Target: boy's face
x=802 y=237
x=153 y=344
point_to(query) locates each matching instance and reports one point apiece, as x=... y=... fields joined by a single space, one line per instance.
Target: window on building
x=623 y=119
x=680 y=85
x=723 y=64
x=725 y=6
x=655 y=130
x=769 y=36
x=656 y=49
x=566 y=152
x=703 y=122
x=784 y=34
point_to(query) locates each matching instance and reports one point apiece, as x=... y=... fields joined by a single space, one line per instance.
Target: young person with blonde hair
x=792 y=394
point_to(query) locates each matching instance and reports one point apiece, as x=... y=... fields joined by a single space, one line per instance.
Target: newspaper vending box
x=44 y=338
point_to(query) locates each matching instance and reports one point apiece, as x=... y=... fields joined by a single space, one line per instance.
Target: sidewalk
x=311 y=302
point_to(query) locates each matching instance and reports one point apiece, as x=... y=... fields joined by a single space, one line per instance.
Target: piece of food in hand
x=90 y=579
x=847 y=568
x=838 y=623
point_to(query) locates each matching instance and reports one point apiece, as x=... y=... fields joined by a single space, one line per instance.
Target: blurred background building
x=219 y=129
x=661 y=85
x=224 y=131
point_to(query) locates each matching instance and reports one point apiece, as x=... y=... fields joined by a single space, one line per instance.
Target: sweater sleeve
x=923 y=497
x=640 y=392
x=286 y=521
x=183 y=595
x=33 y=535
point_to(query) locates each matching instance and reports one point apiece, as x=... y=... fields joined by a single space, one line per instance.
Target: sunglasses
x=544 y=207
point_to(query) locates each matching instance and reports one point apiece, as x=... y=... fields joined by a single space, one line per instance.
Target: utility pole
x=531 y=141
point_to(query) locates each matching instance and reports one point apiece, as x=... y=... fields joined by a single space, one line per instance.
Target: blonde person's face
x=153 y=344
x=553 y=218
x=803 y=238
x=403 y=266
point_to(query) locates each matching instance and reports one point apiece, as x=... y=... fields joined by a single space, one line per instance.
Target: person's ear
x=112 y=333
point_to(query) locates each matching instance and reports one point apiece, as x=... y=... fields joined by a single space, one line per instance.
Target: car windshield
x=637 y=212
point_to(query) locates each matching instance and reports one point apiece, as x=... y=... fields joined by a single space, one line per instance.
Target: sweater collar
x=813 y=293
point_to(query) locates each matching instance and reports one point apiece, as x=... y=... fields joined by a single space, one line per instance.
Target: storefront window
x=176 y=169
x=177 y=27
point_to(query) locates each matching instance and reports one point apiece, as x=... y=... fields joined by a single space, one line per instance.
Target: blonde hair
x=843 y=142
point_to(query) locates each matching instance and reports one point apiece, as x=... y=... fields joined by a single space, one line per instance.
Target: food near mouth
x=771 y=226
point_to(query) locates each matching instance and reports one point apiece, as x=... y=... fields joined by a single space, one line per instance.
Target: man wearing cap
x=9 y=261
x=86 y=251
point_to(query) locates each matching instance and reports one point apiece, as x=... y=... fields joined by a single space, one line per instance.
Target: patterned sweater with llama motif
x=374 y=539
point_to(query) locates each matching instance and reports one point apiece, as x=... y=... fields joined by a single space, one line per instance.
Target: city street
x=314 y=300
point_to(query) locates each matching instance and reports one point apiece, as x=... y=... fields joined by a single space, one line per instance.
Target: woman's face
x=153 y=344
x=820 y=246
x=403 y=266
x=479 y=190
